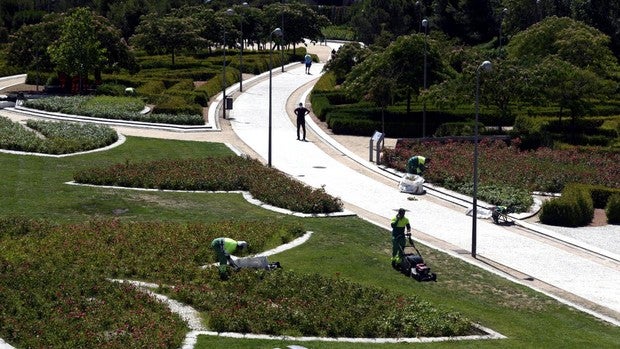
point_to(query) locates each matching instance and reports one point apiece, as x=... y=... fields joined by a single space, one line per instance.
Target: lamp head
x=277 y=32
x=230 y=12
x=485 y=66
x=425 y=23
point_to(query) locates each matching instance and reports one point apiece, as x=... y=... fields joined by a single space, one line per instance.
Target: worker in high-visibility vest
x=399 y=224
x=223 y=248
x=417 y=164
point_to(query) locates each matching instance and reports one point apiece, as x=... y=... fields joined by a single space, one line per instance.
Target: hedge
x=574 y=209
x=613 y=209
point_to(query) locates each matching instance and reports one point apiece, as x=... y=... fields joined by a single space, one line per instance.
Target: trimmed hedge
x=613 y=209
x=574 y=209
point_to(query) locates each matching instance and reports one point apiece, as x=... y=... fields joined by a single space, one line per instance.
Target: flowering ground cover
x=54 y=137
x=54 y=292
x=504 y=166
x=107 y=107
x=212 y=174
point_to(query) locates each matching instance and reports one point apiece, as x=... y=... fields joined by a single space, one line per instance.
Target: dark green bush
x=175 y=104
x=574 y=209
x=613 y=209
x=457 y=129
x=109 y=89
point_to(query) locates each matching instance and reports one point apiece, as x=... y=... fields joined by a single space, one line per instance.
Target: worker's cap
x=242 y=245
x=301 y=104
x=401 y=211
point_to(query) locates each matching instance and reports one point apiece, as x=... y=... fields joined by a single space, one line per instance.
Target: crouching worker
x=223 y=248
x=417 y=165
x=399 y=224
x=498 y=212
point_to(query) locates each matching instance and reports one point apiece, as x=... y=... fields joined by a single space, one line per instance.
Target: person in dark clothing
x=301 y=113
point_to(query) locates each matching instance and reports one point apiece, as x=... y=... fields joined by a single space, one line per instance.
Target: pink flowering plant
x=505 y=167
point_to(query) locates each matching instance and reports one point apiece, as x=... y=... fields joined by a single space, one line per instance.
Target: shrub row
x=211 y=174
x=575 y=208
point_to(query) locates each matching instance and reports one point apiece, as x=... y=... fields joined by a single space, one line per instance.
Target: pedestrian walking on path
x=308 y=61
x=301 y=113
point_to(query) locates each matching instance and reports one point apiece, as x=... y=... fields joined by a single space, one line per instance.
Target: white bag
x=411 y=183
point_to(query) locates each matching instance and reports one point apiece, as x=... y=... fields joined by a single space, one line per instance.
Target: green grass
x=349 y=248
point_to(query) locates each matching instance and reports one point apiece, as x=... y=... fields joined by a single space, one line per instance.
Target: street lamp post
x=228 y=12
x=278 y=32
x=245 y=4
x=485 y=66
x=282 y=38
x=501 y=22
x=425 y=25
x=418 y=7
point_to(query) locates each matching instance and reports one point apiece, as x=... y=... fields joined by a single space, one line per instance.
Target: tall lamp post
x=245 y=4
x=425 y=25
x=282 y=36
x=485 y=66
x=228 y=12
x=277 y=32
x=418 y=7
x=501 y=22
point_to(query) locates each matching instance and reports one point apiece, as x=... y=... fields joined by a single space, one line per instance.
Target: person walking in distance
x=308 y=61
x=301 y=113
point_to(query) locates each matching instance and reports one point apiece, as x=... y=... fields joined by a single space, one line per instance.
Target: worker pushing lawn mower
x=408 y=263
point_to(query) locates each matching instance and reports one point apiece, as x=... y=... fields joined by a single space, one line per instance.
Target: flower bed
x=57 y=137
x=212 y=174
x=54 y=292
x=106 y=107
x=504 y=166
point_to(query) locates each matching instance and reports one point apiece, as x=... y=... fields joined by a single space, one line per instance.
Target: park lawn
x=348 y=248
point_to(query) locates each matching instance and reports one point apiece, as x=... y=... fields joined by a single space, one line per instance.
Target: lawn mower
x=413 y=264
x=499 y=213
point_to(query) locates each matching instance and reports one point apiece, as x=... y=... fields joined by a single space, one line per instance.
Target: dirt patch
x=600 y=218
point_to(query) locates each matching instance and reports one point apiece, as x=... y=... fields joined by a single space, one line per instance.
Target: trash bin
x=229 y=103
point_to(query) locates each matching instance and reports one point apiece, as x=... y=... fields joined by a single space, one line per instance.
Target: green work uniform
x=223 y=248
x=416 y=165
x=398 y=238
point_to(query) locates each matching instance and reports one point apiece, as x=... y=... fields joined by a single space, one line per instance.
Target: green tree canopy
x=568 y=40
x=167 y=34
x=78 y=51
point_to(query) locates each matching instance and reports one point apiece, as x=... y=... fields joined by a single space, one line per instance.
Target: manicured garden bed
x=107 y=107
x=504 y=167
x=212 y=174
x=54 y=137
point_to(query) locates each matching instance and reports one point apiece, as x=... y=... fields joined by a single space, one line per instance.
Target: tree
x=78 y=51
x=347 y=57
x=166 y=34
x=568 y=40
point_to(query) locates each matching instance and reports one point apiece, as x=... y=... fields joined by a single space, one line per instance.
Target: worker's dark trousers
x=398 y=247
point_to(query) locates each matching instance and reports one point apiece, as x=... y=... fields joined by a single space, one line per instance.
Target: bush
x=174 y=104
x=574 y=209
x=109 y=89
x=613 y=209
